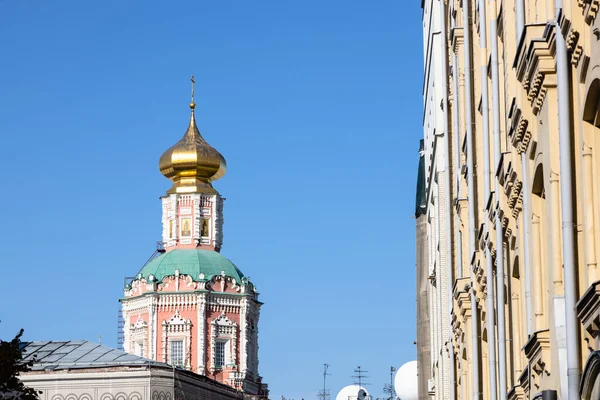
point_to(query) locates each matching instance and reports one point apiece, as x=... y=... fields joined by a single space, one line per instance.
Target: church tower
x=190 y=306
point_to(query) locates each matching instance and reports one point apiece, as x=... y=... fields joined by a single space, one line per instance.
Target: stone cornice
x=589 y=9
x=462 y=299
x=515 y=393
x=459 y=204
x=524 y=380
x=512 y=187
x=535 y=63
x=457 y=39
x=518 y=128
x=461 y=310
x=482 y=237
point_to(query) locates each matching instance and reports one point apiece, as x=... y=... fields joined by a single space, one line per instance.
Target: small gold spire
x=192 y=104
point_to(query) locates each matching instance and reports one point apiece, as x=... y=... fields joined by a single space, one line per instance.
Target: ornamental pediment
x=139 y=324
x=537 y=351
x=588 y=310
x=223 y=320
x=176 y=319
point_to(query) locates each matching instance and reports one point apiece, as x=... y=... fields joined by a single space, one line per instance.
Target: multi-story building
x=511 y=120
x=190 y=306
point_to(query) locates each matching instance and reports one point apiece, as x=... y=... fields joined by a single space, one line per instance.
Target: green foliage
x=11 y=366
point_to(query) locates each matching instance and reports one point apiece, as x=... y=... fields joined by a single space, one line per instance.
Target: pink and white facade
x=192 y=221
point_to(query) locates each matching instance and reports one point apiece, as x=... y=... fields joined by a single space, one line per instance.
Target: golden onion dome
x=192 y=164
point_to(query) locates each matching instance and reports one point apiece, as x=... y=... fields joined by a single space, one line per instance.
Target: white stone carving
x=138 y=332
x=177 y=328
x=223 y=328
x=185 y=210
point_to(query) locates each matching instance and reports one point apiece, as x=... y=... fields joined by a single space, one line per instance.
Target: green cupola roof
x=193 y=263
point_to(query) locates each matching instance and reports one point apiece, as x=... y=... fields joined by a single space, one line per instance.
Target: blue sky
x=316 y=105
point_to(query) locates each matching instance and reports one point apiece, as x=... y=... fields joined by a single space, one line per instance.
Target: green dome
x=193 y=263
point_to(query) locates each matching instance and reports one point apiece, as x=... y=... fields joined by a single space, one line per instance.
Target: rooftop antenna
x=360 y=376
x=390 y=388
x=324 y=395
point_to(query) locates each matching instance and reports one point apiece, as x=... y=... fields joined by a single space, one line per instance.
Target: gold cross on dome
x=193 y=83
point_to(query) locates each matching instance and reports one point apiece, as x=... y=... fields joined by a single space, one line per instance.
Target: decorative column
x=164 y=341
x=538 y=277
x=589 y=216
x=126 y=330
x=516 y=336
x=154 y=324
x=201 y=324
x=213 y=347
x=244 y=328
x=557 y=271
x=468 y=363
x=150 y=307
x=255 y=347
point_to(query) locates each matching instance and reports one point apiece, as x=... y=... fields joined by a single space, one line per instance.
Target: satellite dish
x=362 y=395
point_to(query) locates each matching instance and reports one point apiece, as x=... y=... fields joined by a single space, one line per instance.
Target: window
x=220 y=354
x=171 y=230
x=186 y=227
x=140 y=349
x=177 y=353
x=204 y=231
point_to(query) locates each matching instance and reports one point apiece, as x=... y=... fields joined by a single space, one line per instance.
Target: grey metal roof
x=79 y=354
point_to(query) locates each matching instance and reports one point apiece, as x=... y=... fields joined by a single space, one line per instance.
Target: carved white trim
x=176 y=319
x=223 y=328
x=169 y=213
x=152 y=318
x=126 y=332
x=177 y=328
x=139 y=324
x=138 y=332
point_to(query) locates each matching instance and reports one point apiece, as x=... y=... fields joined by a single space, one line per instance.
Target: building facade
x=511 y=119
x=191 y=307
